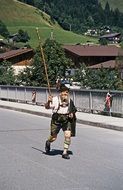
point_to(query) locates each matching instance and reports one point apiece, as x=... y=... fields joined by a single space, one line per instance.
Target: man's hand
x=50 y=98
x=47 y=105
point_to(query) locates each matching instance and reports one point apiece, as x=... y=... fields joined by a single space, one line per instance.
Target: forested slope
x=80 y=15
x=17 y=15
x=114 y=4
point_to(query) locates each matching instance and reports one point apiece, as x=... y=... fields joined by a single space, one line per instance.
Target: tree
x=107 y=13
x=30 y=2
x=56 y=64
x=24 y=77
x=81 y=75
x=38 y=71
x=3 y=30
x=103 y=79
x=23 y=36
x=119 y=64
x=98 y=78
x=56 y=61
x=103 y=41
x=7 y=76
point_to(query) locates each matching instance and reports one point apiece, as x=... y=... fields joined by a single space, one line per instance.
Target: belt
x=63 y=113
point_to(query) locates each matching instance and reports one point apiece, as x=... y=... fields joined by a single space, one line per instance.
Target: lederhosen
x=62 y=121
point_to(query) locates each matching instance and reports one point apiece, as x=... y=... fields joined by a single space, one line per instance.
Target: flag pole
x=44 y=61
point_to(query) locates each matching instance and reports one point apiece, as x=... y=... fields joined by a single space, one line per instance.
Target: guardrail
x=85 y=100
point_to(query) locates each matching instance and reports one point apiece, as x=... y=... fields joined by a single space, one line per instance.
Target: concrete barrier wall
x=85 y=100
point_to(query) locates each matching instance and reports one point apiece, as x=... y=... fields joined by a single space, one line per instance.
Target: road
x=96 y=161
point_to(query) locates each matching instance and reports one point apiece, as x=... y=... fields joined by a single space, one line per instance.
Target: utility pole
x=70 y=26
x=52 y=35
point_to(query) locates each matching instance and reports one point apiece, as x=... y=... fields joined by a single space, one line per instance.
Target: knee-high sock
x=67 y=142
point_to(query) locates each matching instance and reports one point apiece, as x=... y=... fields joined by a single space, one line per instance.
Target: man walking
x=63 y=117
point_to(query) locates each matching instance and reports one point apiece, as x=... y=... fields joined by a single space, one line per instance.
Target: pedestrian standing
x=34 y=96
x=108 y=103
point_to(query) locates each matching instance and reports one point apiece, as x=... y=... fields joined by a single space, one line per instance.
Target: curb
x=81 y=121
x=26 y=111
x=100 y=125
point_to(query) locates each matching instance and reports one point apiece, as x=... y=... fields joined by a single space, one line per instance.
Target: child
x=63 y=117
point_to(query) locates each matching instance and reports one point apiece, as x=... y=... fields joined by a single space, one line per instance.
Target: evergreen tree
x=3 y=30
x=98 y=78
x=22 y=36
x=81 y=75
x=103 y=79
x=7 y=76
x=116 y=17
x=107 y=14
x=57 y=63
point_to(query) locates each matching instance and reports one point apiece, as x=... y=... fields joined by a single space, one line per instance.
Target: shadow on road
x=53 y=152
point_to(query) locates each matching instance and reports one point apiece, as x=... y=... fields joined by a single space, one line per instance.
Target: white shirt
x=55 y=105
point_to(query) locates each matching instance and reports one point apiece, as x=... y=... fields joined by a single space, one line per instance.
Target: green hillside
x=18 y=15
x=113 y=4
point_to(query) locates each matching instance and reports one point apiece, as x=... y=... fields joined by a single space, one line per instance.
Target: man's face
x=64 y=96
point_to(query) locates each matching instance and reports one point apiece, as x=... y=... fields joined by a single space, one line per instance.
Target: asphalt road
x=96 y=161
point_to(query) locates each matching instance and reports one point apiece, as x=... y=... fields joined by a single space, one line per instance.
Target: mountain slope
x=17 y=15
x=13 y=12
x=81 y=15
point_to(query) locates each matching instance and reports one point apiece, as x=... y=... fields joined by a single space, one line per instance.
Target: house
x=18 y=67
x=92 y=54
x=16 y=56
x=13 y=37
x=112 y=64
x=112 y=37
x=107 y=65
x=19 y=58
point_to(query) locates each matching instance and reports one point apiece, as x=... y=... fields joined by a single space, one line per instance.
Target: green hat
x=63 y=88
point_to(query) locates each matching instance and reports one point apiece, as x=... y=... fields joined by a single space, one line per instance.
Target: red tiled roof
x=93 y=50
x=107 y=64
x=13 y=53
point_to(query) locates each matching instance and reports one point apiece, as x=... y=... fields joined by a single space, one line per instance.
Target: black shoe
x=65 y=156
x=47 y=147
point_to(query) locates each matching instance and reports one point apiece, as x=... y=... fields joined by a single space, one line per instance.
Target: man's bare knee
x=52 y=138
x=67 y=134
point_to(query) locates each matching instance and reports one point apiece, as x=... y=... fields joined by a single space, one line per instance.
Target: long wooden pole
x=44 y=62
